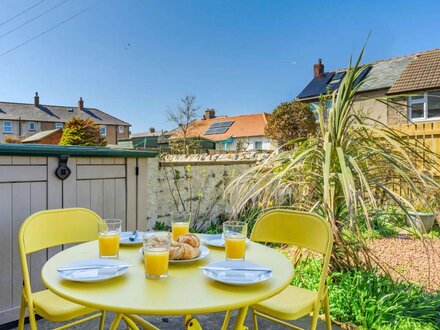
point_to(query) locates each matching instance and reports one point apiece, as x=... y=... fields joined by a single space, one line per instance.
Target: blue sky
x=136 y=58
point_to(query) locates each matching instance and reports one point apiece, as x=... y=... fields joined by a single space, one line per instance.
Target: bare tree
x=183 y=116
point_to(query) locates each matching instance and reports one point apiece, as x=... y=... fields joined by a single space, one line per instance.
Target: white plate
x=237 y=277
x=125 y=238
x=204 y=251
x=216 y=240
x=93 y=275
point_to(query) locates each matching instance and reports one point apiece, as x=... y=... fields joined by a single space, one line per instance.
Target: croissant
x=183 y=251
x=190 y=239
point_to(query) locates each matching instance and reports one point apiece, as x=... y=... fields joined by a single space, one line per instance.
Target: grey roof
x=381 y=75
x=38 y=136
x=54 y=113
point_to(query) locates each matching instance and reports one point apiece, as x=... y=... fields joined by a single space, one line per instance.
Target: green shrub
x=373 y=301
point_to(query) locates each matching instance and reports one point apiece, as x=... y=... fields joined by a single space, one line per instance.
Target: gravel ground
x=414 y=260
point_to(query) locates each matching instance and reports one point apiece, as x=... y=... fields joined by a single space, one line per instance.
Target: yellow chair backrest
x=302 y=229
x=50 y=228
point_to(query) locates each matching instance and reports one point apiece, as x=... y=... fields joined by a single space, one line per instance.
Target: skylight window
x=219 y=127
x=337 y=77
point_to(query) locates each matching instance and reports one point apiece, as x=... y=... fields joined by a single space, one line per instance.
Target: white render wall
x=249 y=142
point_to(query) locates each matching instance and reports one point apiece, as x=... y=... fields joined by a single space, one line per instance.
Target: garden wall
x=196 y=182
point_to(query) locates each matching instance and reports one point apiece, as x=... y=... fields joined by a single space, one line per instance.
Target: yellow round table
x=186 y=290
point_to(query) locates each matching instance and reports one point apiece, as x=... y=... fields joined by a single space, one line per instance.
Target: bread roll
x=190 y=239
x=183 y=251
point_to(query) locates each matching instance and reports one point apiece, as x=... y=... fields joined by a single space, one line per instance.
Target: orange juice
x=235 y=246
x=156 y=262
x=109 y=245
x=180 y=229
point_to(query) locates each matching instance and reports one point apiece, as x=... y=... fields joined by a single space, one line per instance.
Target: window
x=59 y=125
x=258 y=145
x=32 y=126
x=425 y=106
x=103 y=130
x=7 y=127
x=121 y=129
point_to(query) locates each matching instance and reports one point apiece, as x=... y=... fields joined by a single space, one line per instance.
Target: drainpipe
x=19 y=126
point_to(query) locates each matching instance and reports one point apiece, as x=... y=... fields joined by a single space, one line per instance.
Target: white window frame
x=59 y=125
x=6 y=131
x=34 y=126
x=423 y=101
x=103 y=130
x=121 y=129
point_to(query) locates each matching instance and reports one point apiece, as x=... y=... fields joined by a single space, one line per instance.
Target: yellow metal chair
x=304 y=230
x=47 y=229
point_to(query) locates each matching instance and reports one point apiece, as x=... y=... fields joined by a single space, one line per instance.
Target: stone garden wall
x=196 y=182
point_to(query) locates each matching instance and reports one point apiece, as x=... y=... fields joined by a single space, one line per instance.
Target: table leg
x=116 y=321
x=241 y=316
x=139 y=320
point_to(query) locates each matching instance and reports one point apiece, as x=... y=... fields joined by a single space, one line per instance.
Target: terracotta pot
x=424 y=224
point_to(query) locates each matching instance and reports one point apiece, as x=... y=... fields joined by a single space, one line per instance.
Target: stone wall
x=201 y=181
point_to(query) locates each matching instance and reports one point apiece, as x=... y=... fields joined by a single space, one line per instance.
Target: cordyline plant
x=349 y=168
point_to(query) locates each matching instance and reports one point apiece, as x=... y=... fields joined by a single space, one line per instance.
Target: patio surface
x=208 y=322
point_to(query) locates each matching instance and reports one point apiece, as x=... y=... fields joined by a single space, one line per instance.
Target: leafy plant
x=351 y=166
x=82 y=132
x=289 y=121
x=373 y=301
x=160 y=226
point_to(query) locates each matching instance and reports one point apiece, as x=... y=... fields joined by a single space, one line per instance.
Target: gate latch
x=62 y=171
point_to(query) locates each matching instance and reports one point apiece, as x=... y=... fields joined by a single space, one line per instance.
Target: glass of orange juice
x=180 y=223
x=108 y=237
x=156 y=254
x=235 y=233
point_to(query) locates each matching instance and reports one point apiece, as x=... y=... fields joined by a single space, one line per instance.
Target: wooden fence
x=111 y=183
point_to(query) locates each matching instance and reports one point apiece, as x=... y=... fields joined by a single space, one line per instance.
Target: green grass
x=373 y=301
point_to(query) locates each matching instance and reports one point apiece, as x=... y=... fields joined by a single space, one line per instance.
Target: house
x=52 y=136
x=235 y=133
x=25 y=119
x=412 y=81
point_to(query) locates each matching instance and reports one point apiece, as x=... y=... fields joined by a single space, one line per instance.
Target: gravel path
x=414 y=260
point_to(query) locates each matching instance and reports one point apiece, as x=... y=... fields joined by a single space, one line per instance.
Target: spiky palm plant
x=349 y=168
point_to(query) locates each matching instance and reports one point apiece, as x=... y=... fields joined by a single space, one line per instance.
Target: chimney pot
x=152 y=129
x=318 y=68
x=36 y=100
x=209 y=114
x=81 y=104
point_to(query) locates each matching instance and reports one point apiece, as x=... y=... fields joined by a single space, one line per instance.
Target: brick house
x=412 y=81
x=25 y=119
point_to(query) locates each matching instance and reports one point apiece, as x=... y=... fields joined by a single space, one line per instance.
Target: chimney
x=36 y=100
x=209 y=114
x=152 y=130
x=81 y=104
x=318 y=68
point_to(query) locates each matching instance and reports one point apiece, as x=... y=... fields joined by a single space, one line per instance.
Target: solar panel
x=362 y=75
x=220 y=130
x=209 y=131
x=215 y=125
x=339 y=75
x=226 y=123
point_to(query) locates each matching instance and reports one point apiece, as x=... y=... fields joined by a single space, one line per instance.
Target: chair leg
x=226 y=320
x=32 y=320
x=22 y=313
x=314 y=323
x=254 y=319
x=328 y=322
x=102 y=320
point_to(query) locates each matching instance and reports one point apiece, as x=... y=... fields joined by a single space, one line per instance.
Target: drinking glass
x=108 y=237
x=156 y=254
x=180 y=223
x=235 y=233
